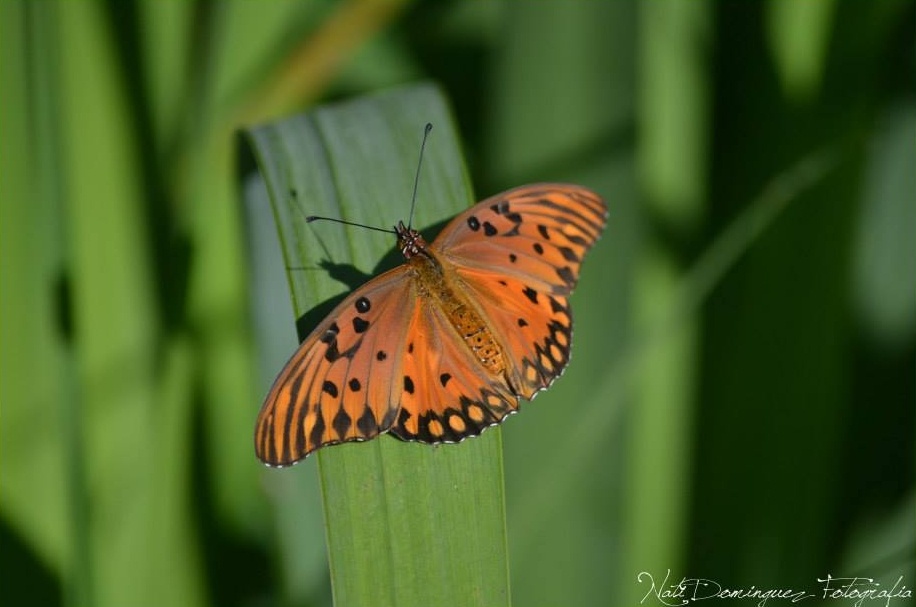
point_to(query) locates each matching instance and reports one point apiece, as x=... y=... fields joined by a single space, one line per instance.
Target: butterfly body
x=443 y=346
x=438 y=285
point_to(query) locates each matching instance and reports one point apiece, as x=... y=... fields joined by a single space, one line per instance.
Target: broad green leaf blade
x=406 y=524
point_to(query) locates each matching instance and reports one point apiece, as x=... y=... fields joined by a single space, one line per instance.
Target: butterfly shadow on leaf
x=351 y=276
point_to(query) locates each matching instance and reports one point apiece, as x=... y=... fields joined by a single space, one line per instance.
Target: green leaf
x=406 y=524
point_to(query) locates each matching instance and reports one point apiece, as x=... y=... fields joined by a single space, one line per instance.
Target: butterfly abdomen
x=475 y=334
x=434 y=286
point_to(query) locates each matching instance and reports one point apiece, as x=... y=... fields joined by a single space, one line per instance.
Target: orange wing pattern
x=341 y=384
x=442 y=347
x=537 y=233
x=519 y=254
x=447 y=397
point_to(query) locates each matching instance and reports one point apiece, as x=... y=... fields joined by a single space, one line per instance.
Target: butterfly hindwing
x=447 y=395
x=340 y=384
x=535 y=327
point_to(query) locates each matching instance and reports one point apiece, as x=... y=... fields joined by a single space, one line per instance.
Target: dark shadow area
x=823 y=424
x=457 y=63
x=239 y=573
x=25 y=580
x=351 y=276
x=171 y=253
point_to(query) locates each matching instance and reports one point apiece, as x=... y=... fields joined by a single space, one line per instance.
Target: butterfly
x=443 y=346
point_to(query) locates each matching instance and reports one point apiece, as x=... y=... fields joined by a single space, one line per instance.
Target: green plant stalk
x=406 y=524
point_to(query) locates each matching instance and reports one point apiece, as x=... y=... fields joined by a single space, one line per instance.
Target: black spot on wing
x=390 y=415
x=500 y=207
x=316 y=436
x=577 y=239
x=567 y=276
x=330 y=387
x=568 y=254
x=332 y=353
x=366 y=423
x=342 y=423
x=515 y=219
x=331 y=334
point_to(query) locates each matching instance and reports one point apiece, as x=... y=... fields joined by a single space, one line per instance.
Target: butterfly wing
x=340 y=384
x=518 y=256
x=389 y=359
x=537 y=233
x=447 y=395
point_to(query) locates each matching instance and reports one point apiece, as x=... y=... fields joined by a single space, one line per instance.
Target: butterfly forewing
x=538 y=233
x=340 y=385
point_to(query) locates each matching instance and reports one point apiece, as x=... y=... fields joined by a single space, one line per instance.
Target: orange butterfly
x=441 y=347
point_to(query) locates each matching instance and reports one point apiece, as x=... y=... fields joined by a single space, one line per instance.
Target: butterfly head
x=410 y=241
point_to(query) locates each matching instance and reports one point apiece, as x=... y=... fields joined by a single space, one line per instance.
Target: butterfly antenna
x=413 y=198
x=416 y=179
x=311 y=218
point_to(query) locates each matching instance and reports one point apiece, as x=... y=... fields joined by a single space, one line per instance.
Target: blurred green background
x=741 y=407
